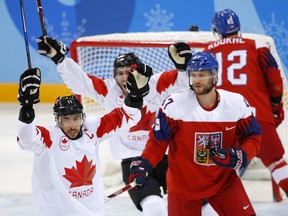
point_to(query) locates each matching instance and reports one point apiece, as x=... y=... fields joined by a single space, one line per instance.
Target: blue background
x=67 y=20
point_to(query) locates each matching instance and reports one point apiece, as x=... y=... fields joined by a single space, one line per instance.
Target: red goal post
x=96 y=54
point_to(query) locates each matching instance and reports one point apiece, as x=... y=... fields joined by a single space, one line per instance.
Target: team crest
x=64 y=143
x=203 y=141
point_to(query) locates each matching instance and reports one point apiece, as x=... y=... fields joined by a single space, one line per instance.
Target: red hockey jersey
x=189 y=131
x=244 y=68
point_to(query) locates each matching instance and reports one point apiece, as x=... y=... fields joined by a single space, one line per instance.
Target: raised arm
x=73 y=76
x=28 y=94
x=129 y=114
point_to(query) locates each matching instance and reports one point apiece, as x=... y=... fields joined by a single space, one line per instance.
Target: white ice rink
x=16 y=169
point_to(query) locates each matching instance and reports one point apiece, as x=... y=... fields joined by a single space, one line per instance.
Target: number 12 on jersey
x=241 y=55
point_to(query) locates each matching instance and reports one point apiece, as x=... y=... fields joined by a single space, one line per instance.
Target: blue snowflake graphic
x=65 y=36
x=280 y=35
x=158 y=19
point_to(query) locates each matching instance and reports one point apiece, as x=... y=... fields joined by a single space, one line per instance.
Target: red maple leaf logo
x=64 y=141
x=145 y=122
x=81 y=175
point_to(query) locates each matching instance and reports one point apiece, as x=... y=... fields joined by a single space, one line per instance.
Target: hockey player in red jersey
x=248 y=67
x=110 y=92
x=66 y=172
x=212 y=133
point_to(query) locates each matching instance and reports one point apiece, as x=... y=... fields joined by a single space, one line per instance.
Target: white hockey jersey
x=66 y=173
x=131 y=142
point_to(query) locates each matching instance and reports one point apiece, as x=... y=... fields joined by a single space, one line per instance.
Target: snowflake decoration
x=65 y=36
x=158 y=19
x=280 y=35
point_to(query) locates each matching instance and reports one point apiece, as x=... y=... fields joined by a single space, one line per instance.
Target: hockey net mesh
x=96 y=54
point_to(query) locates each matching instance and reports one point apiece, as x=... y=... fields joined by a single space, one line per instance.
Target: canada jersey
x=127 y=142
x=66 y=173
x=240 y=71
x=191 y=131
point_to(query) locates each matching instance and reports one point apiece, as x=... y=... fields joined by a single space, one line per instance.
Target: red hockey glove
x=180 y=54
x=139 y=170
x=228 y=157
x=278 y=113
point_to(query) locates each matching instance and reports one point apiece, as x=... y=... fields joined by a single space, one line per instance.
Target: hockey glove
x=278 y=113
x=228 y=157
x=139 y=170
x=52 y=48
x=180 y=54
x=28 y=93
x=26 y=114
x=137 y=84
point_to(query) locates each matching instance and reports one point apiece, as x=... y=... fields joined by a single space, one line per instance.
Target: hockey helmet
x=125 y=60
x=225 y=22
x=67 y=105
x=203 y=61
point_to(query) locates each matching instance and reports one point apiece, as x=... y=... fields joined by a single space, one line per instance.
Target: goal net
x=96 y=54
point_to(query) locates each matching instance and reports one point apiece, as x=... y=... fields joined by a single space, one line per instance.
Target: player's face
x=71 y=125
x=202 y=82
x=122 y=76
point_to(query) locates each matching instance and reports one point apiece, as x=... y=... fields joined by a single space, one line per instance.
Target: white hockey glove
x=52 y=48
x=180 y=54
x=137 y=84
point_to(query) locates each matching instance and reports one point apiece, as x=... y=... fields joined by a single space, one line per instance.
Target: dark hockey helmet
x=125 y=60
x=67 y=105
x=225 y=22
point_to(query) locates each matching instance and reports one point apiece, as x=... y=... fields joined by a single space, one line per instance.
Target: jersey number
x=242 y=56
x=166 y=102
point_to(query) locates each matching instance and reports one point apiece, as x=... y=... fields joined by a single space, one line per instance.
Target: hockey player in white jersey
x=129 y=142
x=66 y=172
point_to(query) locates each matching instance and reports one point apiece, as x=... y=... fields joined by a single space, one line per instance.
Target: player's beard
x=205 y=90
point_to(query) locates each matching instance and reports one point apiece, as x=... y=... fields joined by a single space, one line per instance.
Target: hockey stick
x=243 y=170
x=25 y=34
x=277 y=197
x=120 y=191
x=41 y=16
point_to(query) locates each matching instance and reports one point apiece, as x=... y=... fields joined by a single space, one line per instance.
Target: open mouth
x=72 y=133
